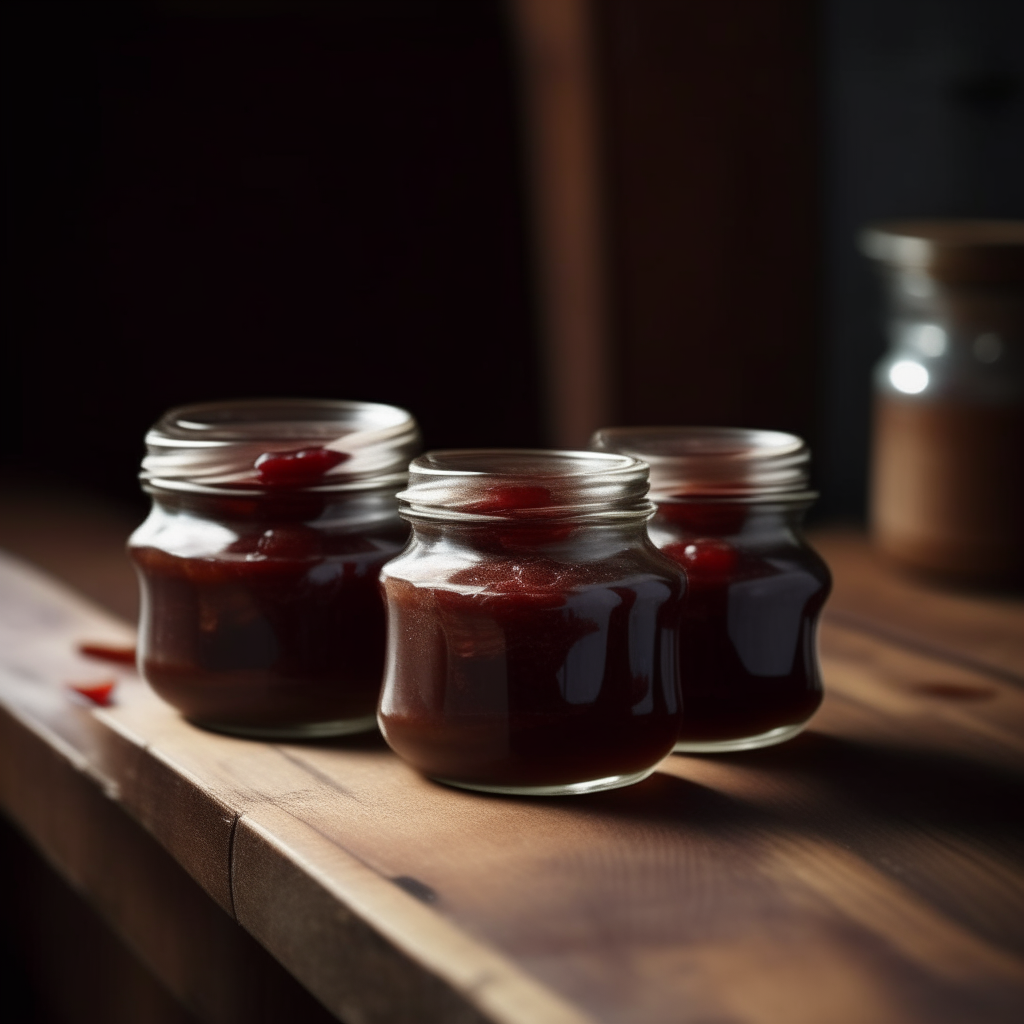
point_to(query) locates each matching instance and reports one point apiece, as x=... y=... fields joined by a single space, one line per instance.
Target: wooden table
x=868 y=871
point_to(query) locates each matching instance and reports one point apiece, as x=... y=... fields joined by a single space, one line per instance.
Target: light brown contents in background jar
x=948 y=487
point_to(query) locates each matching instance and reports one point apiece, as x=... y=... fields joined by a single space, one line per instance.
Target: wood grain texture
x=979 y=630
x=171 y=926
x=556 y=53
x=708 y=125
x=672 y=157
x=76 y=537
x=869 y=870
x=63 y=964
x=122 y=755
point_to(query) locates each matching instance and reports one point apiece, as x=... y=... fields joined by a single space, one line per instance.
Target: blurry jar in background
x=947 y=493
x=731 y=504
x=261 y=610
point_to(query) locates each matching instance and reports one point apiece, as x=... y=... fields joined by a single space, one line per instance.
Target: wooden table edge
x=491 y=987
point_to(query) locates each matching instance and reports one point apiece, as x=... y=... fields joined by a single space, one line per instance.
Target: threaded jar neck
x=272 y=445
x=715 y=463
x=509 y=485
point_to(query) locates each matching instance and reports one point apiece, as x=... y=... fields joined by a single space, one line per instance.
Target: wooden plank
x=559 y=91
x=76 y=537
x=673 y=159
x=708 y=123
x=435 y=973
x=63 y=964
x=870 y=870
x=984 y=631
x=193 y=825
x=171 y=926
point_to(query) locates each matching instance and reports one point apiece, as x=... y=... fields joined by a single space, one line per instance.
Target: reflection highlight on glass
x=909 y=377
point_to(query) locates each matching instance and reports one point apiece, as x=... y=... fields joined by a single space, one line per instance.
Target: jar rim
x=720 y=462
x=523 y=484
x=214 y=447
x=520 y=462
x=955 y=251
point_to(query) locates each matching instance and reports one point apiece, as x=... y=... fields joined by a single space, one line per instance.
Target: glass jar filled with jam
x=531 y=624
x=730 y=506
x=261 y=611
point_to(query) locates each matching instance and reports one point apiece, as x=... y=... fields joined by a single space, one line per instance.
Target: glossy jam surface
x=531 y=654
x=264 y=612
x=299 y=468
x=747 y=658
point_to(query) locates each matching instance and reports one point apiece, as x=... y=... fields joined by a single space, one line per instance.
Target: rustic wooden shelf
x=870 y=870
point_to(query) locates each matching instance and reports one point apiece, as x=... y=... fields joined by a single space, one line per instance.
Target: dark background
x=923 y=116
x=216 y=199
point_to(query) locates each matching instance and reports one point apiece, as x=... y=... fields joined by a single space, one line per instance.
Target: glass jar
x=531 y=624
x=947 y=492
x=730 y=506
x=261 y=612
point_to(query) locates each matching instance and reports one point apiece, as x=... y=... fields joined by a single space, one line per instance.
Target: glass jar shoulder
x=575 y=564
x=228 y=535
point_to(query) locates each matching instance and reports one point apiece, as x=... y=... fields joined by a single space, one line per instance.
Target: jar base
x=565 y=789
x=312 y=731
x=764 y=739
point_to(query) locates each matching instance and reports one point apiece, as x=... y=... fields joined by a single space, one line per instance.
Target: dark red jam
x=301 y=468
x=264 y=613
x=530 y=652
x=108 y=652
x=99 y=692
x=747 y=658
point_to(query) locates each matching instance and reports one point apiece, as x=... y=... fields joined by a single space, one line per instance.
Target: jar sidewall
x=758 y=523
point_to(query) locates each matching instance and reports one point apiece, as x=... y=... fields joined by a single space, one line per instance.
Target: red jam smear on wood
x=99 y=692
x=108 y=652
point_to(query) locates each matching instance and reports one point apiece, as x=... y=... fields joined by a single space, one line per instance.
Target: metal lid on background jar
x=217 y=446
x=951 y=251
x=715 y=462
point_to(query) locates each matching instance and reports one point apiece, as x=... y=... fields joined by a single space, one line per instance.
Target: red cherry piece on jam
x=510 y=497
x=299 y=468
x=99 y=692
x=108 y=652
x=704 y=557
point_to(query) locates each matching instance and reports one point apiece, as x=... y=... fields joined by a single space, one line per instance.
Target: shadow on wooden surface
x=62 y=963
x=176 y=947
x=936 y=789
